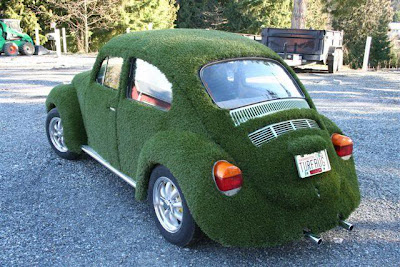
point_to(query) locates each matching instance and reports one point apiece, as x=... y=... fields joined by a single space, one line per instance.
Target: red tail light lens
x=343 y=146
x=228 y=177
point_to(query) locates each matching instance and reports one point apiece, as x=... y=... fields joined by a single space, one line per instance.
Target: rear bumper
x=299 y=59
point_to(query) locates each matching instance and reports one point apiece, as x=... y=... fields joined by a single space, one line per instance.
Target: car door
x=101 y=109
x=142 y=111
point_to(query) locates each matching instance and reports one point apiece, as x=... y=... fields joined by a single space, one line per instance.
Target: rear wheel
x=27 y=49
x=10 y=49
x=55 y=135
x=169 y=209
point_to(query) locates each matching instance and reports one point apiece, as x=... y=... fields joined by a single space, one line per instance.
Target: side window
x=151 y=86
x=110 y=72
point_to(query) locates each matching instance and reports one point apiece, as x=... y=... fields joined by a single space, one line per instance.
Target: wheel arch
x=64 y=98
x=184 y=154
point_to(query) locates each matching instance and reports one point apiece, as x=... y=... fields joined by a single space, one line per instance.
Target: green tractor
x=13 y=40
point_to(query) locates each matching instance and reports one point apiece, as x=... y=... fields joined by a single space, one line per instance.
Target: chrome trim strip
x=88 y=150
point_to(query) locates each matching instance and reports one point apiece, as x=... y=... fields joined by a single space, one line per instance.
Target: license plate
x=312 y=164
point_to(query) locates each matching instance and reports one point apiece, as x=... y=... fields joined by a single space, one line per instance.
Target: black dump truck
x=301 y=47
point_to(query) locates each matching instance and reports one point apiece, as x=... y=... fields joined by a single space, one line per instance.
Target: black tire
x=10 y=49
x=56 y=146
x=188 y=232
x=27 y=49
x=331 y=66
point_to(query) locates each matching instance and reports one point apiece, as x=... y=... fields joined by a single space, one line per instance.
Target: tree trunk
x=86 y=27
x=80 y=40
x=299 y=14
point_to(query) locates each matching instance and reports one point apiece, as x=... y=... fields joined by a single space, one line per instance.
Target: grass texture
x=274 y=205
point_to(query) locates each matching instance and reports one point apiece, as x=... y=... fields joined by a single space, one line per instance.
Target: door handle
x=112 y=109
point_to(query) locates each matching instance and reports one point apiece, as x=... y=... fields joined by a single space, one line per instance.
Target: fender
x=191 y=164
x=330 y=126
x=64 y=97
x=190 y=157
x=193 y=159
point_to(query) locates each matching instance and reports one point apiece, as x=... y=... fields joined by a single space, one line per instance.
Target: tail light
x=343 y=146
x=228 y=177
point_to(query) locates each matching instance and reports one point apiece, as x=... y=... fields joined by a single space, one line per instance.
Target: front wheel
x=169 y=209
x=27 y=49
x=55 y=135
x=10 y=49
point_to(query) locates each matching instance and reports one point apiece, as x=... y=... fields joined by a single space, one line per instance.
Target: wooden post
x=37 y=40
x=58 y=42
x=64 y=37
x=366 y=53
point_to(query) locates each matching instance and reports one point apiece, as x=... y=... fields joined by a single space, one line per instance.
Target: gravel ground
x=59 y=212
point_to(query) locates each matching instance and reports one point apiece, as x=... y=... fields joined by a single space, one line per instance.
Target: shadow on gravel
x=29 y=82
x=310 y=70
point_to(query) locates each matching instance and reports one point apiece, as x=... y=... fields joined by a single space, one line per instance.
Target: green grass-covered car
x=215 y=131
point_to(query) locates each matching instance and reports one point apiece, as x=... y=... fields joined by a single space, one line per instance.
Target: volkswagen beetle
x=215 y=131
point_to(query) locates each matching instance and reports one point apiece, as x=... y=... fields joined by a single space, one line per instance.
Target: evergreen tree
x=359 y=20
x=32 y=13
x=396 y=17
x=138 y=14
x=317 y=18
x=246 y=16
x=250 y=16
x=206 y=14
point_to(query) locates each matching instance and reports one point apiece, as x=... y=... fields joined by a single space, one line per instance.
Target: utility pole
x=299 y=14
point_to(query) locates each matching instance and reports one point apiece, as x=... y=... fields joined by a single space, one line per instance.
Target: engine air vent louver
x=241 y=115
x=272 y=131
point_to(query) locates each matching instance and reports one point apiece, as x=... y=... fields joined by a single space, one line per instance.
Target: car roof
x=184 y=49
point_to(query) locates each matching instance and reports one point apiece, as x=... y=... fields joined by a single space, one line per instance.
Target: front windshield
x=242 y=82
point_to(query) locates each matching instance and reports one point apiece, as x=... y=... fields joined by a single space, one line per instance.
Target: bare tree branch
x=84 y=16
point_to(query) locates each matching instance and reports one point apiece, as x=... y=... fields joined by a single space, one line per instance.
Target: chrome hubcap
x=168 y=204
x=56 y=134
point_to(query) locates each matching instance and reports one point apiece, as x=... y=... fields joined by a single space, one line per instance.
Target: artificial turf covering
x=274 y=205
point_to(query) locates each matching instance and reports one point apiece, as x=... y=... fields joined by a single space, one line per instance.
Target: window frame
x=105 y=72
x=131 y=83
x=200 y=73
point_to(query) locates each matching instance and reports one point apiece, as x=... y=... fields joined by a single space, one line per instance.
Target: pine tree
x=317 y=17
x=359 y=20
x=245 y=16
x=381 y=47
x=250 y=16
x=206 y=14
x=32 y=13
x=137 y=15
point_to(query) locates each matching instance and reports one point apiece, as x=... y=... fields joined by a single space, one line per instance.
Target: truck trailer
x=301 y=47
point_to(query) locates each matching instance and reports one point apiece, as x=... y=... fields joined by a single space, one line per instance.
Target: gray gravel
x=58 y=212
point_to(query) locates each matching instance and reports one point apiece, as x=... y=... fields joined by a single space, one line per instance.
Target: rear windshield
x=241 y=82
